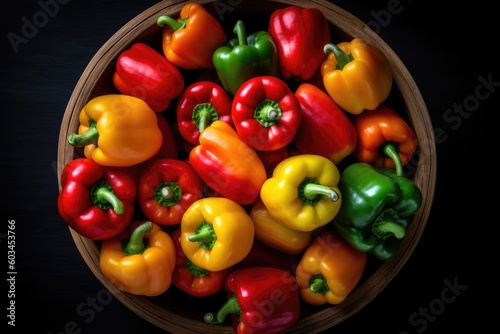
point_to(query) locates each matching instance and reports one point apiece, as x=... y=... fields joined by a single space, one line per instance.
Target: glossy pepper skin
x=190 y=278
x=377 y=208
x=166 y=188
x=300 y=35
x=198 y=106
x=356 y=75
x=117 y=130
x=190 y=41
x=302 y=193
x=96 y=201
x=261 y=300
x=266 y=113
x=324 y=129
x=216 y=233
x=329 y=269
x=228 y=165
x=275 y=234
x=146 y=74
x=142 y=263
x=384 y=138
x=245 y=57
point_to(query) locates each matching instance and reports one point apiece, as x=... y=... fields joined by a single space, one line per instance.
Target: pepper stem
x=167 y=193
x=203 y=115
x=342 y=58
x=268 y=113
x=204 y=235
x=310 y=191
x=230 y=306
x=103 y=197
x=391 y=152
x=317 y=284
x=239 y=30
x=135 y=244
x=87 y=138
x=194 y=269
x=173 y=23
x=386 y=225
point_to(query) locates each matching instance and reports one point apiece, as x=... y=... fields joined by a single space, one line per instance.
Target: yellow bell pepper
x=216 y=233
x=273 y=233
x=329 y=269
x=117 y=130
x=302 y=193
x=141 y=267
x=356 y=75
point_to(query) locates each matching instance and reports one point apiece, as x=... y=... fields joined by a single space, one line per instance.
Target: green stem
x=310 y=191
x=268 y=113
x=194 y=269
x=203 y=115
x=342 y=58
x=204 y=235
x=167 y=193
x=87 y=138
x=317 y=284
x=173 y=23
x=391 y=151
x=239 y=30
x=386 y=225
x=229 y=307
x=102 y=196
x=135 y=244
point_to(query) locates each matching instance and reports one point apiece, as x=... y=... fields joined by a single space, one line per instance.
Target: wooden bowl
x=177 y=312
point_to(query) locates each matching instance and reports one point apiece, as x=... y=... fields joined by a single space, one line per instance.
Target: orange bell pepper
x=227 y=164
x=117 y=130
x=356 y=75
x=271 y=232
x=190 y=41
x=329 y=269
x=384 y=139
x=140 y=267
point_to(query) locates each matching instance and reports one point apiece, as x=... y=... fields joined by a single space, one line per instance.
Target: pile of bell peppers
x=220 y=166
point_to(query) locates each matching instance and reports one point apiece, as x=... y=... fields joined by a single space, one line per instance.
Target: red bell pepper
x=266 y=113
x=199 y=105
x=192 y=279
x=228 y=165
x=144 y=73
x=166 y=188
x=325 y=129
x=261 y=300
x=300 y=35
x=96 y=201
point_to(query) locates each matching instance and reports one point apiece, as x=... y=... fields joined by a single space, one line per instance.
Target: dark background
x=450 y=52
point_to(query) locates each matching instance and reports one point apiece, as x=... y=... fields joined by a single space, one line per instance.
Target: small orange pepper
x=144 y=266
x=271 y=232
x=384 y=138
x=329 y=269
x=190 y=41
x=356 y=75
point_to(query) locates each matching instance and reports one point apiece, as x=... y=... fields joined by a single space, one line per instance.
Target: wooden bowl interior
x=176 y=311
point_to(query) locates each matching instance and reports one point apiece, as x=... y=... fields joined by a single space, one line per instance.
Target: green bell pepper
x=377 y=208
x=245 y=57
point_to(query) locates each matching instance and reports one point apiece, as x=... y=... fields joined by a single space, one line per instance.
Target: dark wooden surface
x=445 y=284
